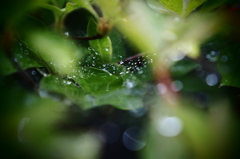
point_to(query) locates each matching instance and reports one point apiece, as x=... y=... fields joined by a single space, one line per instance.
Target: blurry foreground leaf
x=211 y=4
x=60 y=54
x=182 y=7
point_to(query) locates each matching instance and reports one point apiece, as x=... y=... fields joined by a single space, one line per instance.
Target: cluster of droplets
x=21 y=53
x=212 y=56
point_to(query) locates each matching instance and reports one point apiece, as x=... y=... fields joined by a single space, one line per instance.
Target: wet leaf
x=97 y=81
x=62 y=86
x=23 y=56
x=121 y=99
x=228 y=66
x=182 y=7
x=211 y=4
x=118 y=48
x=102 y=46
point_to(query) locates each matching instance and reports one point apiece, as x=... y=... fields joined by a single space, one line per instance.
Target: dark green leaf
x=211 y=4
x=118 y=49
x=183 y=67
x=6 y=67
x=102 y=46
x=228 y=66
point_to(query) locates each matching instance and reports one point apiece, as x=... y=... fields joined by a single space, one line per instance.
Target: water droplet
x=34 y=72
x=69 y=82
x=169 y=126
x=177 y=57
x=130 y=84
x=26 y=52
x=21 y=125
x=162 y=88
x=43 y=94
x=212 y=79
x=138 y=112
x=140 y=72
x=212 y=56
x=176 y=86
x=133 y=139
x=107 y=48
x=66 y=33
x=224 y=58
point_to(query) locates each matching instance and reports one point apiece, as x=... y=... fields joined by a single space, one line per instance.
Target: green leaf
x=23 y=56
x=58 y=3
x=183 y=67
x=228 y=66
x=118 y=49
x=6 y=67
x=157 y=6
x=173 y=5
x=62 y=86
x=182 y=7
x=121 y=99
x=191 y=5
x=94 y=87
x=211 y=4
x=97 y=81
x=102 y=46
x=59 y=54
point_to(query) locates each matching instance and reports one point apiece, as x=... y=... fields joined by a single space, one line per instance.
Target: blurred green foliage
x=86 y=79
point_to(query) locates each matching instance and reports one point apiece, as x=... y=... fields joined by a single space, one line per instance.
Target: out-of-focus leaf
x=183 y=67
x=102 y=46
x=174 y=5
x=157 y=6
x=13 y=10
x=58 y=3
x=211 y=4
x=228 y=66
x=166 y=39
x=61 y=55
x=190 y=5
x=121 y=99
x=189 y=83
x=182 y=7
x=70 y=6
x=6 y=67
x=110 y=9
